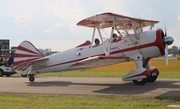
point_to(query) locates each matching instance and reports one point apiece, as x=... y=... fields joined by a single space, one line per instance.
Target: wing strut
x=152 y=25
x=112 y=31
x=94 y=30
x=134 y=28
x=141 y=24
x=102 y=41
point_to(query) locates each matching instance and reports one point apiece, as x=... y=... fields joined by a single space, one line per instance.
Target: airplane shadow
x=49 y=83
x=172 y=95
x=130 y=88
x=117 y=89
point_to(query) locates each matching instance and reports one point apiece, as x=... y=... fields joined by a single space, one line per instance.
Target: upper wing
x=105 y=20
x=99 y=61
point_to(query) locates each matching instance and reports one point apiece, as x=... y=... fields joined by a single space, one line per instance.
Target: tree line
x=175 y=50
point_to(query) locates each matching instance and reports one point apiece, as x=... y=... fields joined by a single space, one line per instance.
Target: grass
x=53 y=101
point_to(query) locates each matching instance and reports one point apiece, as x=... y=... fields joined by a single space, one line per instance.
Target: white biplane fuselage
x=147 y=46
x=140 y=47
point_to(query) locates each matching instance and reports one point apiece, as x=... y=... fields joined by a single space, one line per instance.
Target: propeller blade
x=166 y=54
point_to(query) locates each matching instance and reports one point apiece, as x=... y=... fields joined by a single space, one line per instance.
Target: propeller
x=168 y=40
x=166 y=54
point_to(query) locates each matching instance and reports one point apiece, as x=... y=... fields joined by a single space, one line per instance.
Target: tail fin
x=26 y=52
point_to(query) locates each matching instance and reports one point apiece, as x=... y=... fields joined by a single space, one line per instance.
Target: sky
x=51 y=24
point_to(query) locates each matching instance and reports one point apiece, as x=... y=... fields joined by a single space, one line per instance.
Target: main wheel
x=152 y=78
x=140 y=82
x=31 y=78
x=1 y=73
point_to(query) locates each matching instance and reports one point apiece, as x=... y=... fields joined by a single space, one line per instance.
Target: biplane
x=135 y=44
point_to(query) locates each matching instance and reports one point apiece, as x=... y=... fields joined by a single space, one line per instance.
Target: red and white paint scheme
x=136 y=45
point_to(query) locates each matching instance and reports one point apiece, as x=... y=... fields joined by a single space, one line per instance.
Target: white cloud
x=49 y=31
x=54 y=28
x=178 y=17
x=175 y=33
x=22 y=21
x=59 y=25
x=115 y=6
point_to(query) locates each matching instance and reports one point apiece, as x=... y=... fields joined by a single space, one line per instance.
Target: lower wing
x=99 y=61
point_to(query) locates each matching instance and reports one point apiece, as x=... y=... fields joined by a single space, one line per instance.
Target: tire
x=140 y=82
x=31 y=79
x=1 y=73
x=23 y=75
x=152 y=78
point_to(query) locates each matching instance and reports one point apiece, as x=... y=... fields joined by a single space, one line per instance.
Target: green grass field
x=53 y=101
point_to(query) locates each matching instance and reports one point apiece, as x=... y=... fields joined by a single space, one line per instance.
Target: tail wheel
x=31 y=78
x=1 y=73
x=140 y=82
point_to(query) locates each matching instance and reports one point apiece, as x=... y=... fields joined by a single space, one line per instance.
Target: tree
x=174 y=50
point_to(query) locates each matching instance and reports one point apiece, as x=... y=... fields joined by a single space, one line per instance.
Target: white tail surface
x=26 y=52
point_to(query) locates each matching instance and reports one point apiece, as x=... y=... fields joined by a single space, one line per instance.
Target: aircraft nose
x=168 y=40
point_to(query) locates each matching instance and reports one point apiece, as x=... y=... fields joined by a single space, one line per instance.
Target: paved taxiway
x=92 y=86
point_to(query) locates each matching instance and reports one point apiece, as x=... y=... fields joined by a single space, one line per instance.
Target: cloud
x=55 y=28
x=59 y=25
x=115 y=6
x=22 y=21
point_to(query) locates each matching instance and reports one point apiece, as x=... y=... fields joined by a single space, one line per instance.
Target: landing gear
x=152 y=78
x=31 y=78
x=140 y=81
x=154 y=72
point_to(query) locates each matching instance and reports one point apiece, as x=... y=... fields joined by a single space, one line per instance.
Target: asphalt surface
x=88 y=86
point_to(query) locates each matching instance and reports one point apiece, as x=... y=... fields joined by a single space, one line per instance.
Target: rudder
x=26 y=52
